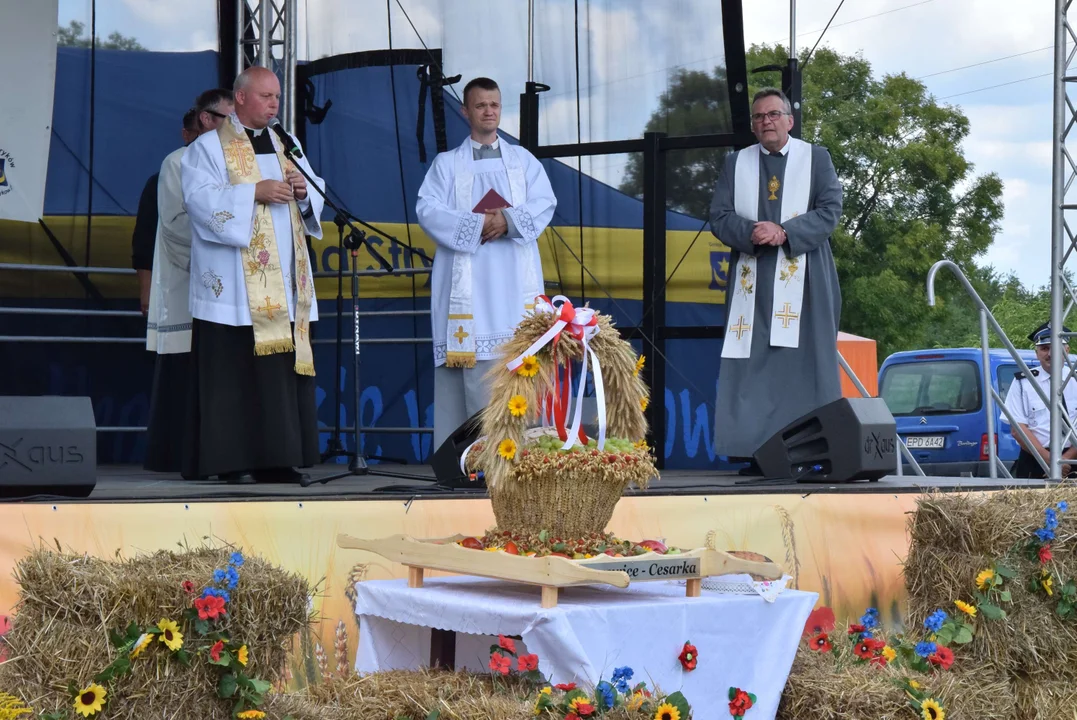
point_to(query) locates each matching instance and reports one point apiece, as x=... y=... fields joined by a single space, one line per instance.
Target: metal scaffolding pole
x=1063 y=242
x=267 y=35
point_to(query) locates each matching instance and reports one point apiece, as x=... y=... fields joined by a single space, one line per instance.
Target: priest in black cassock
x=776 y=204
x=254 y=416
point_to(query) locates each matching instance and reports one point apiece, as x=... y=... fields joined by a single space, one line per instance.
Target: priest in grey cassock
x=254 y=416
x=485 y=205
x=776 y=204
x=168 y=318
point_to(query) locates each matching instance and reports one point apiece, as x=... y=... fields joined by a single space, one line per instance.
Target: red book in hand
x=491 y=201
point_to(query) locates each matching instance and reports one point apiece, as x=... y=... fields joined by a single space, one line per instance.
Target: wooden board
x=552 y=572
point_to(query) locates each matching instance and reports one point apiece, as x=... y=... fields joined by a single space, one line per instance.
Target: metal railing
x=901 y=443
x=991 y=395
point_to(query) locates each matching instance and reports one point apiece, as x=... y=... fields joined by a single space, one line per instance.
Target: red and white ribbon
x=581 y=324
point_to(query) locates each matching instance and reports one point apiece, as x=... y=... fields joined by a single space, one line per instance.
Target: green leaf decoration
x=1005 y=596
x=732 y=693
x=992 y=612
x=434 y=714
x=72 y=689
x=201 y=626
x=227 y=687
x=225 y=659
x=544 y=536
x=58 y=715
x=751 y=696
x=1005 y=572
x=184 y=657
x=963 y=636
x=260 y=686
x=116 y=639
x=678 y=701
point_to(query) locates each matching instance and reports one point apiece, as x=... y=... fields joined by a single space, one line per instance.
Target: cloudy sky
x=997 y=72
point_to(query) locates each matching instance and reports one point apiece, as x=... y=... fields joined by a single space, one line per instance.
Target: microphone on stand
x=291 y=147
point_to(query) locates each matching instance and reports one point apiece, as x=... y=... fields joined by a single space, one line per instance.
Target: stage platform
x=124 y=484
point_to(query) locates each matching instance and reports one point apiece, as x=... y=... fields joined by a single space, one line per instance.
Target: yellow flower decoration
x=518 y=405
x=639 y=364
x=1047 y=582
x=170 y=634
x=984 y=578
x=643 y=403
x=251 y=714
x=576 y=702
x=144 y=641
x=635 y=702
x=507 y=449
x=931 y=710
x=529 y=367
x=547 y=690
x=914 y=685
x=243 y=655
x=964 y=607
x=889 y=653
x=90 y=700
x=12 y=707
x=667 y=712
x=640 y=444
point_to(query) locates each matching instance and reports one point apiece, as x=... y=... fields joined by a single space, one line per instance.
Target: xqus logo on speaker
x=13 y=456
x=879 y=446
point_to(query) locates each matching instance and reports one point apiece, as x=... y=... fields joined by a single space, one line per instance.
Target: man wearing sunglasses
x=775 y=205
x=168 y=326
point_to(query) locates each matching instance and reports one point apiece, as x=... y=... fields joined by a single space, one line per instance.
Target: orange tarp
x=859 y=352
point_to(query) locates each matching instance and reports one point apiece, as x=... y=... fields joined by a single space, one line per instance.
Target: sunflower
x=170 y=634
x=964 y=607
x=889 y=653
x=643 y=402
x=507 y=449
x=667 y=712
x=144 y=641
x=635 y=702
x=984 y=578
x=251 y=714
x=90 y=700
x=639 y=364
x=529 y=367
x=931 y=710
x=242 y=655
x=518 y=405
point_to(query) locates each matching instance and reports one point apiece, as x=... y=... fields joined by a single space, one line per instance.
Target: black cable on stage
x=820 y=38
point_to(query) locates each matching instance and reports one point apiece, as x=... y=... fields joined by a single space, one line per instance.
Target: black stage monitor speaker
x=446 y=459
x=48 y=446
x=846 y=440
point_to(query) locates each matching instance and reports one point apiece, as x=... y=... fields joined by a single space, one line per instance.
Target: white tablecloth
x=743 y=641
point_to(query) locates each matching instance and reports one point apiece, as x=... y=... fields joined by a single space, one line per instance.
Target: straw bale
x=69 y=603
x=1045 y=700
x=817 y=689
x=954 y=537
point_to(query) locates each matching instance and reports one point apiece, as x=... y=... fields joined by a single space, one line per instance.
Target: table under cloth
x=742 y=640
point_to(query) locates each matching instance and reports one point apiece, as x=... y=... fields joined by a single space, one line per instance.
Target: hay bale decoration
x=542 y=470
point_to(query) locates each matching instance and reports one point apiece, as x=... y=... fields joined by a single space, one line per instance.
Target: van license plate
x=925 y=441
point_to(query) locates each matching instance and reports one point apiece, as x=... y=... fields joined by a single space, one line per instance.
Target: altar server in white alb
x=168 y=319
x=487 y=270
x=776 y=204
x=252 y=295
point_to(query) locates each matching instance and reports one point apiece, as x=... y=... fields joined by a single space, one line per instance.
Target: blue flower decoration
x=604 y=693
x=237 y=559
x=867 y=634
x=935 y=620
x=1051 y=518
x=210 y=592
x=870 y=619
x=233 y=578
x=218 y=575
x=925 y=649
x=1045 y=535
x=224 y=595
x=621 y=676
x=1063 y=506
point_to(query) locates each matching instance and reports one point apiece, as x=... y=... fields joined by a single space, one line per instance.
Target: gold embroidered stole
x=264 y=276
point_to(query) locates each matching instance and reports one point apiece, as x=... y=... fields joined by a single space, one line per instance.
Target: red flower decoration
x=864 y=649
x=210 y=607
x=820 y=621
x=1045 y=554
x=500 y=663
x=585 y=710
x=188 y=587
x=572 y=716
x=506 y=644
x=943 y=657
x=820 y=642
x=856 y=629
x=566 y=687
x=215 y=651
x=878 y=661
x=688 y=657
x=740 y=702
x=526 y=663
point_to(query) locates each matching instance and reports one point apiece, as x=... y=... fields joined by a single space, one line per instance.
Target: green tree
x=910 y=195
x=74 y=36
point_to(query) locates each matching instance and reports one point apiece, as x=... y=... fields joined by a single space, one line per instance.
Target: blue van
x=937 y=398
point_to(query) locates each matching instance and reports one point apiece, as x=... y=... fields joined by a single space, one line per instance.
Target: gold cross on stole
x=268 y=309
x=240 y=152
x=460 y=334
x=786 y=315
x=740 y=328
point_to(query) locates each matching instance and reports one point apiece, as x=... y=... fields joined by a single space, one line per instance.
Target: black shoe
x=238 y=478
x=283 y=475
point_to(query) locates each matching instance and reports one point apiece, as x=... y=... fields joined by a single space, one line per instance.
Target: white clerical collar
x=240 y=126
x=783 y=151
x=476 y=145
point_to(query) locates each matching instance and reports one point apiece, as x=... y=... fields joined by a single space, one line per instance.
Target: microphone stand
x=357 y=238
